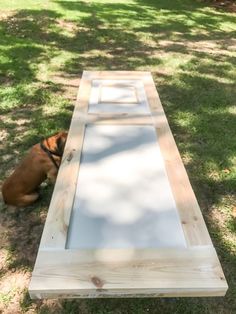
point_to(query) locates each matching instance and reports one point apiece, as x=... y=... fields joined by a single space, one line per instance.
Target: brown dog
x=42 y=161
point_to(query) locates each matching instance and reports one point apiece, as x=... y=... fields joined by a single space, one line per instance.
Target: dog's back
x=20 y=188
x=24 y=180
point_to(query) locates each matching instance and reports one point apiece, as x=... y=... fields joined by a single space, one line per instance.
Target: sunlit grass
x=190 y=49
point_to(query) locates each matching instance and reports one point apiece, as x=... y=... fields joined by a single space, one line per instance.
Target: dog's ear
x=61 y=141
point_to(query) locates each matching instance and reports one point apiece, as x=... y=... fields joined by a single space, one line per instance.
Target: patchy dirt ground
x=190 y=49
x=228 y=5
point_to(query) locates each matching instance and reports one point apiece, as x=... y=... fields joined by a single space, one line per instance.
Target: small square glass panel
x=118 y=96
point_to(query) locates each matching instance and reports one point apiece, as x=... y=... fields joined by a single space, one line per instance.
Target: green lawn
x=189 y=47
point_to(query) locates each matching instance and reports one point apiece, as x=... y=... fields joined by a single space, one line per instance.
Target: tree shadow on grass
x=197 y=96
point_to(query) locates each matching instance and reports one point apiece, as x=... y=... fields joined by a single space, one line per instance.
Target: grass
x=190 y=49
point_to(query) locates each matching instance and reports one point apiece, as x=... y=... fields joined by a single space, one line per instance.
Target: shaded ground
x=228 y=5
x=190 y=49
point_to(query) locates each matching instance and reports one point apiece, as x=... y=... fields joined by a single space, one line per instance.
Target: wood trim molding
x=119 y=273
x=65 y=273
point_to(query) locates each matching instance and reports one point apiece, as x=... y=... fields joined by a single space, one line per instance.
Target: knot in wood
x=70 y=156
x=97 y=281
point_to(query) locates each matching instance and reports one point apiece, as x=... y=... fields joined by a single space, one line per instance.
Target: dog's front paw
x=51 y=177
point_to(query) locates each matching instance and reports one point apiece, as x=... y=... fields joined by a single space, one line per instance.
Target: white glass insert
x=123 y=197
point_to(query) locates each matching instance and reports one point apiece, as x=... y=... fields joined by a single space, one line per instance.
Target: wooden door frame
x=61 y=272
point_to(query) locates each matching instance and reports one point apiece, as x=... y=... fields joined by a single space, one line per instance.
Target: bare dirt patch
x=228 y=5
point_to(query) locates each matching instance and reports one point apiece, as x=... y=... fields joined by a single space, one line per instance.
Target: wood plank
x=57 y=222
x=60 y=272
x=193 y=223
x=114 y=75
x=103 y=273
x=123 y=119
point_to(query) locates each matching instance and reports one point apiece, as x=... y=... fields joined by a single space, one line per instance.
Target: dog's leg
x=28 y=199
x=52 y=176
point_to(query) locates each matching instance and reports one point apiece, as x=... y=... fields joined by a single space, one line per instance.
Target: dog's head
x=61 y=142
x=56 y=143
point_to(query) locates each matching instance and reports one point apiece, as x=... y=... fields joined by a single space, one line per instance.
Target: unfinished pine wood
x=118 y=119
x=56 y=226
x=112 y=273
x=192 y=221
x=64 y=273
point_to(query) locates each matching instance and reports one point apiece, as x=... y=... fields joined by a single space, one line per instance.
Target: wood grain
x=102 y=273
x=56 y=226
x=63 y=273
x=191 y=217
x=125 y=119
